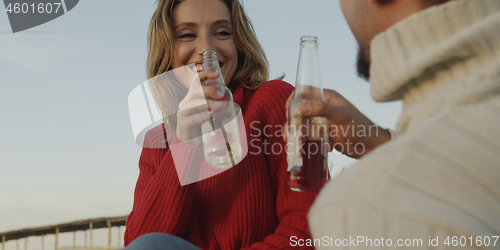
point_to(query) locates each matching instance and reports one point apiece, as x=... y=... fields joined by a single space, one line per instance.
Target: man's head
x=367 y=18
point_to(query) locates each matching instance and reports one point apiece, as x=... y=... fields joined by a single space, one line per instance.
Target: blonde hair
x=252 y=69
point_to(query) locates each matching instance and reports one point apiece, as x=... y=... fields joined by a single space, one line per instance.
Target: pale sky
x=67 y=150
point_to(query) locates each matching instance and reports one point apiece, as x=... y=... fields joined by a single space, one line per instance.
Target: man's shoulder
x=413 y=162
x=440 y=173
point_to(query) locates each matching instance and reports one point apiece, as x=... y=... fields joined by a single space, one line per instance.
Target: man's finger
x=318 y=108
x=334 y=98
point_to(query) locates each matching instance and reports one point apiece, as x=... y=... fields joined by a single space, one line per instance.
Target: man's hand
x=351 y=133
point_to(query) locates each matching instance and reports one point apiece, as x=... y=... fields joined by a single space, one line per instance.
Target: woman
x=249 y=205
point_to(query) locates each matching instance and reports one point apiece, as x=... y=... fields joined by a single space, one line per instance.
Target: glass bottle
x=307 y=136
x=221 y=140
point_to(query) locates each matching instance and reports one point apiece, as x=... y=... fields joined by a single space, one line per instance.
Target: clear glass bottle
x=307 y=136
x=221 y=139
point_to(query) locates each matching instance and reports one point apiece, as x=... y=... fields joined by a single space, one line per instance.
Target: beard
x=363 y=65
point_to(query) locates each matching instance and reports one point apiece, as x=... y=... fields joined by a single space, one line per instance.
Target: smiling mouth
x=199 y=67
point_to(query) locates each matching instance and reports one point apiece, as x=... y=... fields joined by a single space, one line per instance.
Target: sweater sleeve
x=291 y=207
x=161 y=204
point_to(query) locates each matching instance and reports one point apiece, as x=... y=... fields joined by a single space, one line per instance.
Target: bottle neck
x=308 y=83
x=210 y=62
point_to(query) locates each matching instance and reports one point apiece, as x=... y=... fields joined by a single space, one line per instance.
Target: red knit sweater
x=248 y=206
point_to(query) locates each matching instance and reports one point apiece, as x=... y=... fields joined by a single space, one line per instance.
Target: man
x=438 y=182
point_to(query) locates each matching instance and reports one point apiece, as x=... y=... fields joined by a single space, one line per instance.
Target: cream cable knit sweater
x=441 y=176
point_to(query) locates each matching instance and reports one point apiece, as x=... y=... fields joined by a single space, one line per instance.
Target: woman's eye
x=187 y=35
x=223 y=33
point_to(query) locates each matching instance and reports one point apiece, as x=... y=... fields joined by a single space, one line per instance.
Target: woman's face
x=200 y=25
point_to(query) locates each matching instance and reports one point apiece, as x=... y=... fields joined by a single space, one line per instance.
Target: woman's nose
x=205 y=43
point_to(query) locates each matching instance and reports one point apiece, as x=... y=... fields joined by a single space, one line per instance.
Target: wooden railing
x=83 y=225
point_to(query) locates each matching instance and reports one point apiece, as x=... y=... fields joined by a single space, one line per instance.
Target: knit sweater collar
x=426 y=58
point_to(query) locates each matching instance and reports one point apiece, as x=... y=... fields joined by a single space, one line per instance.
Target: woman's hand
x=351 y=133
x=193 y=109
